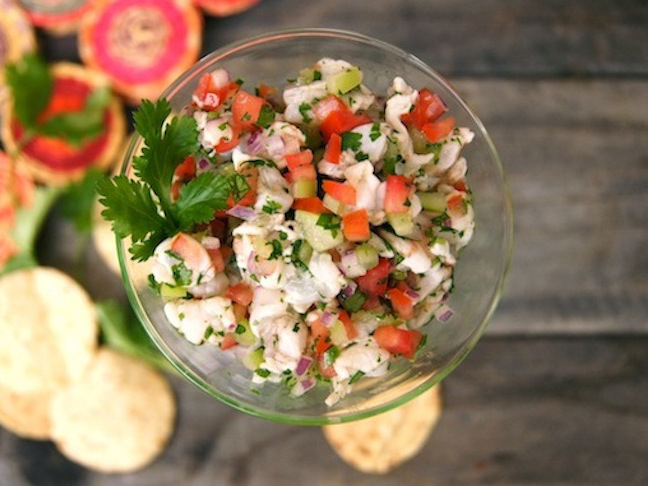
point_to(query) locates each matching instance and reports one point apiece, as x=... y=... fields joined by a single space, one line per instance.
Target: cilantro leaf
x=266 y=116
x=31 y=87
x=78 y=201
x=200 y=198
x=165 y=147
x=351 y=140
x=304 y=108
x=130 y=207
x=75 y=127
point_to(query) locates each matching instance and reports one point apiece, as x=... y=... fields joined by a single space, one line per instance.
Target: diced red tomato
x=349 y=326
x=241 y=293
x=310 y=204
x=344 y=193
x=187 y=169
x=401 y=303
x=227 y=145
x=175 y=189
x=227 y=252
x=266 y=91
x=438 y=130
x=372 y=302
x=301 y=159
x=318 y=329
x=456 y=203
x=216 y=259
x=461 y=186
x=246 y=109
x=212 y=96
x=333 y=149
x=428 y=108
x=341 y=121
x=355 y=226
x=322 y=109
x=398 y=341
x=229 y=341
x=374 y=282
x=304 y=173
x=396 y=194
x=240 y=312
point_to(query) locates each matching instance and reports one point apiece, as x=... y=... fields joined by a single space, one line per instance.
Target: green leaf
x=79 y=126
x=266 y=116
x=78 y=201
x=165 y=148
x=132 y=211
x=200 y=198
x=122 y=332
x=351 y=140
x=31 y=85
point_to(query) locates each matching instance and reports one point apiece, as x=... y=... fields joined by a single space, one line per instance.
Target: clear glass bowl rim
x=295 y=419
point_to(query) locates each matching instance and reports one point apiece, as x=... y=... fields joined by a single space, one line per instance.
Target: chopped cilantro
x=375 y=132
x=317 y=75
x=361 y=156
x=283 y=235
x=296 y=327
x=277 y=250
x=304 y=108
x=330 y=222
x=246 y=117
x=223 y=126
x=153 y=284
x=239 y=81
x=351 y=140
x=181 y=274
x=266 y=116
x=271 y=207
x=240 y=329
x=208 y=332
x=331 y=355
x=356 y=377
x=263 y=373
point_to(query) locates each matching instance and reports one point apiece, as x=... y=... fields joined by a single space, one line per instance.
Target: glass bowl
x=479 y=274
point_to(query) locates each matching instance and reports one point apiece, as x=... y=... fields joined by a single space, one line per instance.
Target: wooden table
x=557 y=391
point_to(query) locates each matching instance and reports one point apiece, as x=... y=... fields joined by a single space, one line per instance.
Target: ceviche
x=312 y=231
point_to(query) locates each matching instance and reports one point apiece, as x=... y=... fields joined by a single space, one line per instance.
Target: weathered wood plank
x=532 y=411
x=576 y=157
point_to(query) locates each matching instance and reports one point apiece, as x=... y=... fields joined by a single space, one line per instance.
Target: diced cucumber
x=332 y=204
x=320 y=238
x=167 y=292
x=402 y=223
x=367 y=256
x=308 y=75
x=391 y=158
x=420 y=143
x=305 y=252
x=338 y=333
x=432 y=201
x=253 y=359
x=243 y=334
x=344 y=82
x=305 y=188
x=399 y=274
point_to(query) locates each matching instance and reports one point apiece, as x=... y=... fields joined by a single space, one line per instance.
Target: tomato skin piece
x=217 y=259
x=241 y=293
x=246 y=109
x=398 y=341
x=310 y=204
x=333 y=149
x=301 y=159
x=355 y=226
x=187 y=169
x=429 y=106
x=340 y=191
x=435 y=131
x=374 y=282
x=349 y=326
x=401 y=303
x=341 y=121
x=229 y=341
x=397 y=191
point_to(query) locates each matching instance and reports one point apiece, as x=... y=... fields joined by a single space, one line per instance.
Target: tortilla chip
x=48 y=330
x=117 y=418
x=378 y=444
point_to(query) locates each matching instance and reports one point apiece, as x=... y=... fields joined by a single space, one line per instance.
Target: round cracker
x=117 y=418
x=26 y=415
x=378 y=444
x=48 y=330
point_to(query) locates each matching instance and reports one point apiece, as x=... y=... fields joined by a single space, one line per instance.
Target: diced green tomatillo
x=344 y=82
x=167 y=292
x=367 y=256
x=402 y=223
x=305 y=252
x=320 y=238
x=332 y=204
x=338 y=333
x=253 y=359
x=305 y=188
x=432 y=201
x=243 y=334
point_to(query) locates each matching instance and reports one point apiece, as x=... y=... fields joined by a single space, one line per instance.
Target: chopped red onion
x=307 y=384
x=412 y=295
x=303 y=365
x=242 y=212
x=203 y=163
x=444 y=313
x=231 y=327
x=251 y=263
x=328 y=319
x=350 y=289
x=255 y=143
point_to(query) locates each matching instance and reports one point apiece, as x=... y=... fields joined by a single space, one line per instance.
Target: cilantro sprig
x=142 y=208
